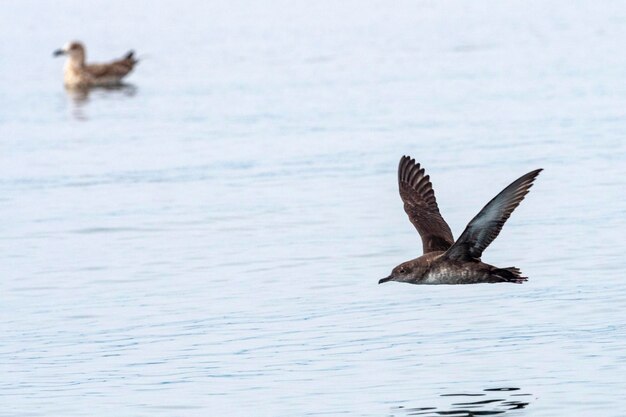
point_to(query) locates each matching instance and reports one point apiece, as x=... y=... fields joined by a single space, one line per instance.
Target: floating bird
x=77 y=74
x=446 y=261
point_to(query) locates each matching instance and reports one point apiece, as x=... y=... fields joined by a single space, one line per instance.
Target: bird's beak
x=385 y=279
x=58 y=52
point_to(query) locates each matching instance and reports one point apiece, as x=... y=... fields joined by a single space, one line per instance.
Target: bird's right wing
x=420 y=205
x=486 y=226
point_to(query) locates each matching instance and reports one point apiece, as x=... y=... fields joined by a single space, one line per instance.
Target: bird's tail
x=510 y=274
x=131 y=56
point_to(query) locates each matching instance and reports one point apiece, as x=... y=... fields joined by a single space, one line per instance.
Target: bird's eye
x=402 y=271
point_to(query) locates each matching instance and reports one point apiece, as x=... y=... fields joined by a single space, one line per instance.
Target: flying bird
x=446 y=261
x=78 y=74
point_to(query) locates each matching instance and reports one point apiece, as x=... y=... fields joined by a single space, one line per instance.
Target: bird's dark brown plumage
x=420 y=205
x=445 y=261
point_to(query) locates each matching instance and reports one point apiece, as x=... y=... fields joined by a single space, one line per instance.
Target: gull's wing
x=486 y=226
x=420 y=204
x=117 y=68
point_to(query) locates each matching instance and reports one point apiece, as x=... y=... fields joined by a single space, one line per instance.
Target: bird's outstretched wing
x=486 y=226
x=420 y=204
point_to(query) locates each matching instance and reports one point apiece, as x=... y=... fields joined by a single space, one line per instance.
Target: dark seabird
x=446 y=261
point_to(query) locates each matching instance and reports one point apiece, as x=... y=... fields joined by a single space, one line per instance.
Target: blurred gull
x=77 y=74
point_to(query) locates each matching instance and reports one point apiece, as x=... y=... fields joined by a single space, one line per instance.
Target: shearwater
x=446 y=261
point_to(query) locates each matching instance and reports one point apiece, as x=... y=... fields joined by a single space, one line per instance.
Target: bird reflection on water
x=492 y=401
x=81 y=96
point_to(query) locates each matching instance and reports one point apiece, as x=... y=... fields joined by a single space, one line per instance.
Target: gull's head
x=75 y=50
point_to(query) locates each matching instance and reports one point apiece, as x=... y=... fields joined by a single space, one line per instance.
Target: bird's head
x=405 y=272
x=75 y=50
